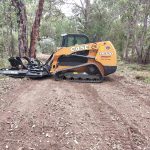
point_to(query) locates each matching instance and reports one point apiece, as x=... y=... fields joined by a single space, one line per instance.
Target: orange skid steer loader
x=77 y=59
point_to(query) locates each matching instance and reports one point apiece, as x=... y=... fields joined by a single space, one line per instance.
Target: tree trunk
x=141 y=41
x=22 y=27
x=12 y=47
x=86 y=15
x=126 y=51
x=35 y=29
x=147 y=56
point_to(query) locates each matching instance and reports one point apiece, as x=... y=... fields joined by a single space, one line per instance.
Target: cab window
x=71 y=40
x=81 y=40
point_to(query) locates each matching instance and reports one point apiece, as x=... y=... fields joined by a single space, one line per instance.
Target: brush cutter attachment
x=24 y=67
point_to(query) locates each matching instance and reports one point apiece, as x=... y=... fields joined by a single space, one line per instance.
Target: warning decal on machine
x=107 y=54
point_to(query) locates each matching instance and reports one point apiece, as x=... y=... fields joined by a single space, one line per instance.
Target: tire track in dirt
x=46 y=114
x=100 y=119
x=116 y=133
x=119 y=97
x=48 y=117
x=131 y=88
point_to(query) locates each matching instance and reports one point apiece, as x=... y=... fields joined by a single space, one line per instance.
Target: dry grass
x=138 y=72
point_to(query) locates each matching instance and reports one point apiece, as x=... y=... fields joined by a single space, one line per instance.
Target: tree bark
x=87 y=13
x=11 y=47
x=22 y=27
x=140 y=42
x=126 y=50
x=147 y=56
x=35 y=29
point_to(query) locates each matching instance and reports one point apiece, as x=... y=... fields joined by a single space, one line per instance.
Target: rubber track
x=72 y=78
x=85 y=81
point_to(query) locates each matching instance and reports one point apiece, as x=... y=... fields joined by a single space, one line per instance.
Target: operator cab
x=74 y=39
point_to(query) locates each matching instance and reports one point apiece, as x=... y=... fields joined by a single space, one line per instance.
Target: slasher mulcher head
x=25 y=67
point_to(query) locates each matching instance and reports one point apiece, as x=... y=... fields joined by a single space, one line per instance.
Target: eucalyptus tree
x=22 y=27
x=8 y=27
x=136 y=28
x=35 y=29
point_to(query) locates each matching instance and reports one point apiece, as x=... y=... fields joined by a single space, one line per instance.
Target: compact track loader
x=77 y=59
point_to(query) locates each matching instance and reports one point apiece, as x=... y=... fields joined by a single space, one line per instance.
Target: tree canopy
x=124 y=22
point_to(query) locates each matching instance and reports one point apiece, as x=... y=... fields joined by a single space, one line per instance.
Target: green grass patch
x=4 y=63
x=147 y=80
x=143 y=78
x=139 y=67
x=136 y=71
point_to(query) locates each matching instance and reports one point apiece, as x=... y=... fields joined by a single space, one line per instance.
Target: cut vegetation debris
x=135 y=71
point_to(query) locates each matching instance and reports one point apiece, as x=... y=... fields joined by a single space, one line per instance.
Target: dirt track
x=50 y=115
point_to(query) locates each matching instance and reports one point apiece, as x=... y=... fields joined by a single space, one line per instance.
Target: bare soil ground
x=52 y=115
